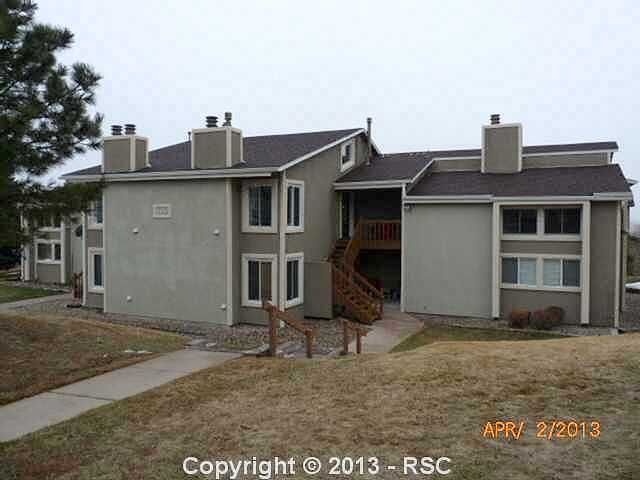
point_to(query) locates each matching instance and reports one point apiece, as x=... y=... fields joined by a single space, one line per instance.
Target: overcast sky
x=429 y=73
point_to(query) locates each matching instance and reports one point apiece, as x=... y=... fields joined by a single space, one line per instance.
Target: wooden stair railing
x=347 y=292
x=376 y=294
x=360 y=332
x=275 y=316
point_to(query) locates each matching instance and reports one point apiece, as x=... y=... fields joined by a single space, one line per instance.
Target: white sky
x=429 y=73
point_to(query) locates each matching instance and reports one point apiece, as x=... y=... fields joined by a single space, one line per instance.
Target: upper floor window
x=347 y=155
x=562 y=221
x=520 y=220
x=259 y=209
x=96 y=214
x=49 y=222
x=295 y=206
x=48 y=251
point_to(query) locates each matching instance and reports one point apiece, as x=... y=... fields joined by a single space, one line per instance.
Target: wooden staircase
x=363 y=301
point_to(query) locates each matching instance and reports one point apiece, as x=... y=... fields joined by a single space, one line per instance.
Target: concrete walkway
x=40 y=411
x=34 y=301
x=389 y=331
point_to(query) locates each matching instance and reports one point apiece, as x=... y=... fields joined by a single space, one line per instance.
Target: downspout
x=283 y=242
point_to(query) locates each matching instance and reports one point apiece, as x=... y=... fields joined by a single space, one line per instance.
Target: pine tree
x=44 y=121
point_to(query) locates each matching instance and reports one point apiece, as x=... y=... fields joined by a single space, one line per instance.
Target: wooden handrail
x=363 y=281
x=347 y=292
x=358 y=330
x=276 y=314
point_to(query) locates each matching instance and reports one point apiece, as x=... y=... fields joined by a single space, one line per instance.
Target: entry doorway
x=346 y=215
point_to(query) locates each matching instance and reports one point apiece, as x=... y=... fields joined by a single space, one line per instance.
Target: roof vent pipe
x=129 y=129
x=212 y=121
x=369 y=141
x=116 y=130
x=495 y=119
x=227 y=119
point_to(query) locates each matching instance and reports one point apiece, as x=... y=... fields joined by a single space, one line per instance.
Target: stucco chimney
x=124 y=153
x=216 y=147
x=501 y=147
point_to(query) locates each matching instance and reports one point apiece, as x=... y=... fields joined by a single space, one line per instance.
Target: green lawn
x=442 y=333
x=10 y=293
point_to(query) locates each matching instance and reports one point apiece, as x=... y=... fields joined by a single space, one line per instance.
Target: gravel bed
x=216 y=337
x=501 y=324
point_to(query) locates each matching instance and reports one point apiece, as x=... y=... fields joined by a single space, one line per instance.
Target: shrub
x=519 y=318
x=538 y=320
x=547 y=319
x=555 y=316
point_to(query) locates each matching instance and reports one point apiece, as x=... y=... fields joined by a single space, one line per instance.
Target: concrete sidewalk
x=389 y=331
x=48 y=408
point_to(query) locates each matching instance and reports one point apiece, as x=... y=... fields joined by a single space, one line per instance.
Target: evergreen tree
x=44 y=121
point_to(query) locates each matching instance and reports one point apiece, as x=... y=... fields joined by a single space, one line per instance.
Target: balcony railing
x=379 y=234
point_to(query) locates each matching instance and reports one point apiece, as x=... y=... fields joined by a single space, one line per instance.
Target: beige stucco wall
x=454 y=165
x=603 y=262
x=517 y=246
x=531 y=300
x=448 y=259
x=173 y=267
x=567 y=160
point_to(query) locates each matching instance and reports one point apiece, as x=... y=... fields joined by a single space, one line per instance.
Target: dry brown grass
x=430 y=401
x=41 y=353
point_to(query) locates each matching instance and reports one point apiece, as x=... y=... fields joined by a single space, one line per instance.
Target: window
x=259 y=279
x=561 y=272
x=260 y=207
x=48 y=251
x=96 y=270
x=562 y=221
x=519 y=271
x=522 y=220
x=347 y=155
x=295 y=279
x=96 y=214
x=47 y=222
x=295 y=206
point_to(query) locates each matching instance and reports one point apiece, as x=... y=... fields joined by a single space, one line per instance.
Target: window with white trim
x=259 y=207
x=95 y=214
x=49 y=222
x=519 y=221
x=48 y=251
x=561 y=272
x=295 y=279
x=562 y=221
x=258 y=279
x=519 y=271
x=295 y=206
x=95 y=266
x=347 y=155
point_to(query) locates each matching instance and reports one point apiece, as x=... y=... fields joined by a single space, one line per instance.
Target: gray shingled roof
x=403 y=166
x=259 y=152
x=394 y=166
x=530 y=182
